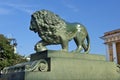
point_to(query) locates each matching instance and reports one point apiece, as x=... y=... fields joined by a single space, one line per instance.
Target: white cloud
x=21 y=7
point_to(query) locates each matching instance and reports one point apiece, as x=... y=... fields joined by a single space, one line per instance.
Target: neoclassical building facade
x=112 y=43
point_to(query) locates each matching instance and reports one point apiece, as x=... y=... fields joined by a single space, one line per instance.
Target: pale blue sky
x=98 y=16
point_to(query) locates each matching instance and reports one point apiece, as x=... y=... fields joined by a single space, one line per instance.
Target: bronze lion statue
x=54 y=30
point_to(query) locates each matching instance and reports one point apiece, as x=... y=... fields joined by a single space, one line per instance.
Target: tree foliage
x=7 y=56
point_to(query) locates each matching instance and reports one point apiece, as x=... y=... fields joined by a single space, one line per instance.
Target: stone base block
x=64 y=66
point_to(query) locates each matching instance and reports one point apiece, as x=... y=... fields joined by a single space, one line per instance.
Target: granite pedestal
x=57 y=65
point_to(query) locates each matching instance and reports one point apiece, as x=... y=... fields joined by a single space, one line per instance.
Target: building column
x=15 y=49
x=107 y=53
x=114 y=52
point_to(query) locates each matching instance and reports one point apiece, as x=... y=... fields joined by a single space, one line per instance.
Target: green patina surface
x=54 y=30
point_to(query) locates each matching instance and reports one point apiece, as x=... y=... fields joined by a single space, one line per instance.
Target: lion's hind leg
x=85 y=47
x=78 y=42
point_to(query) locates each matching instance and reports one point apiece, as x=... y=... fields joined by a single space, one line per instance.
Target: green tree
x=7 y=56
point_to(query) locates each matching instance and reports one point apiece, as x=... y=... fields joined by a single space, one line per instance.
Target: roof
x=112 y=32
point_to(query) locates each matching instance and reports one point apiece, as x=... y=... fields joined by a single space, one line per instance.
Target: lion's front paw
x=39 y=48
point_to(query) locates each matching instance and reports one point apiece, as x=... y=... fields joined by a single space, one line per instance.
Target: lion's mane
x=49 y=24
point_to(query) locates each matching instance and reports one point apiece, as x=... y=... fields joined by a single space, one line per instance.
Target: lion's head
x=47 y=24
